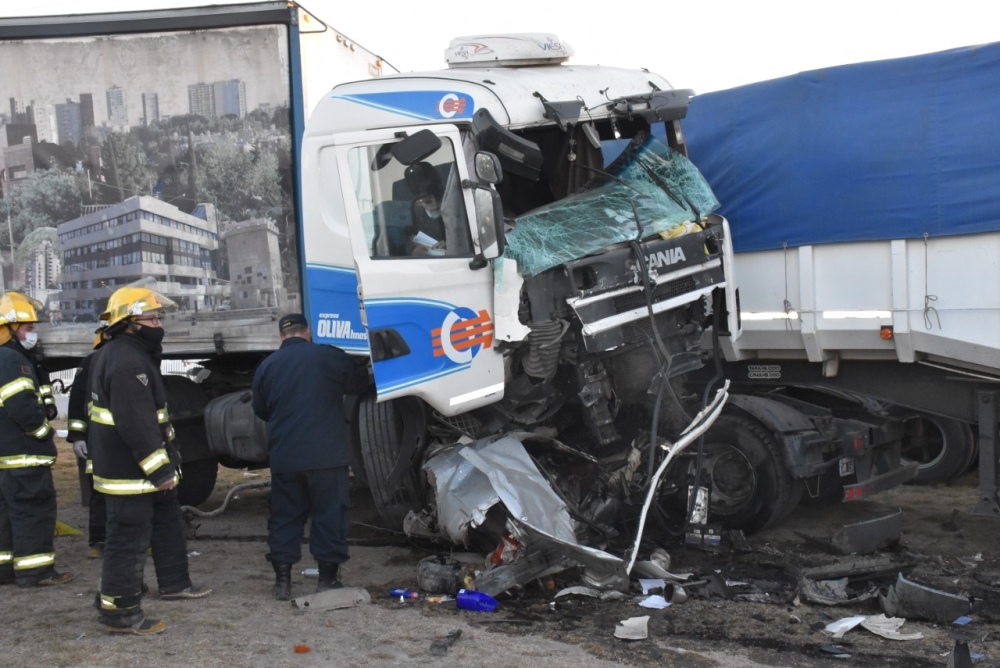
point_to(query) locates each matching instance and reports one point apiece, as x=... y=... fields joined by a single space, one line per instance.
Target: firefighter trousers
x=324 y=496
x=95 y=503
x=27 y=524
x=136 y=522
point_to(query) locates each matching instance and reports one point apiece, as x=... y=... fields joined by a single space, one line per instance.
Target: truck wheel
x=944 y=449
x=354 y=441
x=197 y=481
x=391 y=435
x=750 y=486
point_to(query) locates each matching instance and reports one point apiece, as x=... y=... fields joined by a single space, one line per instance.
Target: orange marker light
x=885 y=333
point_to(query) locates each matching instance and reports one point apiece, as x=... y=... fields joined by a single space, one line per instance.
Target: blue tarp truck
x=864 y=205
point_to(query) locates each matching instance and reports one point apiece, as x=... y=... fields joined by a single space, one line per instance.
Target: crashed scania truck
x=519 y=245
x=531 y=262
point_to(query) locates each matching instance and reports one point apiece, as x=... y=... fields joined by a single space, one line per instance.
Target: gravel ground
x=240 y=625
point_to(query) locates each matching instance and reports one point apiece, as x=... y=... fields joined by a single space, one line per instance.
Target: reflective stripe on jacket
x=129 y=431
x=25 y=434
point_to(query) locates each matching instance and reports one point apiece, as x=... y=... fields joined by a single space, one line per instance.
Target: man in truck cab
x=27 y=453
x=427 y=234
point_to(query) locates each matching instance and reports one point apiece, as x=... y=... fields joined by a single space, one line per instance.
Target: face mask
x=30 y=340
x=433 y=213
x=151 y=334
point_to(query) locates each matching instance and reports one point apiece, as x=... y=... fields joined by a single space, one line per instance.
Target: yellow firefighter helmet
x=130 y=302
x=16 y=308
x=99 y=335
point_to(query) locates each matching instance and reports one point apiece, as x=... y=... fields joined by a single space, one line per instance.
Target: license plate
x=846 y=466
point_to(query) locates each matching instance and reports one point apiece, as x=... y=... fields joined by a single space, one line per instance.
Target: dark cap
x=291 y=320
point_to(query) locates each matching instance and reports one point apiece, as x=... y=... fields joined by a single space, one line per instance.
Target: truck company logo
x=665 y=258
x=451 y=105
x=421 y=105
x=331 y=327
x=462 y=335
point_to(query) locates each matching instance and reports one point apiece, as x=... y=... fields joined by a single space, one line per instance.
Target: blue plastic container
x=476 y=601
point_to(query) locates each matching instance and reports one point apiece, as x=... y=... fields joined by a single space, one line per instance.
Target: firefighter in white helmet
x=27 y=453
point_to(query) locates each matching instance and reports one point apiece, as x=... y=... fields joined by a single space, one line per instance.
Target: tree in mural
x=45 y=198
x=126 y=170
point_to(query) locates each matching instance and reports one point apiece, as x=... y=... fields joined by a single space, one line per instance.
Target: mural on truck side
x=157 y=159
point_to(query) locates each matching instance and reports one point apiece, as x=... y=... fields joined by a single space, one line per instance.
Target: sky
x=700 y=44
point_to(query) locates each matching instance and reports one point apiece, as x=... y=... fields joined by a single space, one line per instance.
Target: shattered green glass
x=655 y=184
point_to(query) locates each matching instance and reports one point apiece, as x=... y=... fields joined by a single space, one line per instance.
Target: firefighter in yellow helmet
x=27 y=453
x=135 y=463
x=78 y=421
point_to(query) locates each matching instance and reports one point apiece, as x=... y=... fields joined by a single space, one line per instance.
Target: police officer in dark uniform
x=299 y=390
x=135 y=464
x=77 y=417
x=27 y=453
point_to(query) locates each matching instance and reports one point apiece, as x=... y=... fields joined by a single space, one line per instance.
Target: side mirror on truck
x=489 y=210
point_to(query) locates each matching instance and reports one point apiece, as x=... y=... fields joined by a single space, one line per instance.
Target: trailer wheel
x=391 y=435
x=197 y=481
x=750 y=486
x=944 y=449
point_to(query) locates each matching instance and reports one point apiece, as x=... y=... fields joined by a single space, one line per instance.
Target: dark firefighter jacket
x=25 y=434
x=129 y=430
x=299 y=390
x=78 y=410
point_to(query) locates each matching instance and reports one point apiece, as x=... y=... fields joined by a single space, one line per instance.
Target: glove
x=51 y=412
x=80 y=449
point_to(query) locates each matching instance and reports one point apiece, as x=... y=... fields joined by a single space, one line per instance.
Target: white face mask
x=433 y=213
x=30 y=339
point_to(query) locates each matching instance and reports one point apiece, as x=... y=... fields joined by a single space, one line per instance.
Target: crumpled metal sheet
x=655 y=182
x=470 y=479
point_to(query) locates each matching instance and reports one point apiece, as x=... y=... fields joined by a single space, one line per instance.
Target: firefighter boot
x=329 y=577
x=282 y=581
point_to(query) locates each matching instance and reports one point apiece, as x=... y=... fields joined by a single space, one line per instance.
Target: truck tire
x=391 y=435
x=750 y=486
x=197 y=481
x=944 y=449
x=354 y=441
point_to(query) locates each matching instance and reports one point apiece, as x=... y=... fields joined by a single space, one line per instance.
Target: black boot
x=282 y=581
x=329 y=577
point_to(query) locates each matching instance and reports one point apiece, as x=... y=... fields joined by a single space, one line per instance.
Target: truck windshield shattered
x=649 y=189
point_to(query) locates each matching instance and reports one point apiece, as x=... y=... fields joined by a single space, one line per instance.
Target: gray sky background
x=702 y=45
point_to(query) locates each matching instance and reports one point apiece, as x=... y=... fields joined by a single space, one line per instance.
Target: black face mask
x=152 y=335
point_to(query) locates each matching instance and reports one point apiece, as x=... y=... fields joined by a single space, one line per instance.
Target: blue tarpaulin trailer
x=892 y=149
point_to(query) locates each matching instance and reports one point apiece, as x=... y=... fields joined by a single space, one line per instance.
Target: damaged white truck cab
x=526 y=247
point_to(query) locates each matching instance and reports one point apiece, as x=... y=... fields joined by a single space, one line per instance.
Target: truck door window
x=413 y=210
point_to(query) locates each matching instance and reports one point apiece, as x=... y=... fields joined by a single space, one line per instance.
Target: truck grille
x=634 y=300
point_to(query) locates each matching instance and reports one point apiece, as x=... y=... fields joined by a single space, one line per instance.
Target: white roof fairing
x=454 y=95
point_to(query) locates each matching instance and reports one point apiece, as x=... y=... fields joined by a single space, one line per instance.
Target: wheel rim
x=730 y=476
x=927 y=449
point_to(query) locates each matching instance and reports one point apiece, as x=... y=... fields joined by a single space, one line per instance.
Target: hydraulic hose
x=702 y=421
x=256 y=484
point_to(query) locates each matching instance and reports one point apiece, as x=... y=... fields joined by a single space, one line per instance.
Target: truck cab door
x=429 y=315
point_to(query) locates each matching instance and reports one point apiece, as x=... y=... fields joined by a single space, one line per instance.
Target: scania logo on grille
x=665 y=258
x=462 y=335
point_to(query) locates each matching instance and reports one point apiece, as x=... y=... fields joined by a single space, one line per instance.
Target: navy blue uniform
x=299 y=391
